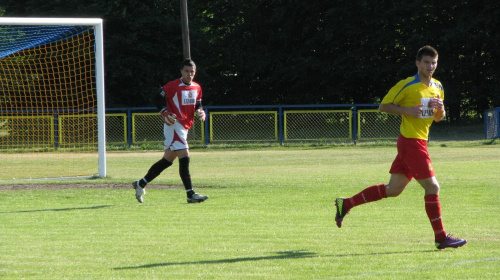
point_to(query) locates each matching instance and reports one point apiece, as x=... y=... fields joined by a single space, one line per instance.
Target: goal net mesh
x=48 y=106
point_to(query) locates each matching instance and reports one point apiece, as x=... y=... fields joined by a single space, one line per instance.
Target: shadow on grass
x=58 y=209
x=380 y=254
x=301 y=254
x=279 y=255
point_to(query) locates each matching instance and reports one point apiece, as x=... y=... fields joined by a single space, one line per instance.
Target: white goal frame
x=99 y=70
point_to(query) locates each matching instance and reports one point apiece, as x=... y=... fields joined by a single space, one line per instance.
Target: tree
x=290 y=52
x=141 y=40
x=258 y=52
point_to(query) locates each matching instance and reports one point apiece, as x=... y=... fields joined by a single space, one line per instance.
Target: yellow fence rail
x=136 y=126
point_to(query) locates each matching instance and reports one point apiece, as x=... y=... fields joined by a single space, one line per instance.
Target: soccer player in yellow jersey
x=419 y=100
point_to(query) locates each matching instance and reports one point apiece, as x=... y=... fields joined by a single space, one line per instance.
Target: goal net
x=51 y=98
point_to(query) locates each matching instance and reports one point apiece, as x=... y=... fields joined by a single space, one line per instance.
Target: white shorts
x=175 y=137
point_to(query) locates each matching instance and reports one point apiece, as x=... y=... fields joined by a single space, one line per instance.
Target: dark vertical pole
x=281 y=130
x=185 y=30
x=355 y=124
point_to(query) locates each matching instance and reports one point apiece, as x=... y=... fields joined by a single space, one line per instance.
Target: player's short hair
x=428 y=51
x=187 y=62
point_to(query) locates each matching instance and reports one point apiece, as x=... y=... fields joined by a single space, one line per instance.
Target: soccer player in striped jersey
x=182 y=98
x=419 y=100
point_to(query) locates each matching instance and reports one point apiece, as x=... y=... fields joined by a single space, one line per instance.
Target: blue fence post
x=355 y=124
x=129 y=127
x=205 y=132
x=497 y=112
x=280 y=125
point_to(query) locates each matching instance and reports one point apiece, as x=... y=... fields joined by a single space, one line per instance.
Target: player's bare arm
x=391 y=108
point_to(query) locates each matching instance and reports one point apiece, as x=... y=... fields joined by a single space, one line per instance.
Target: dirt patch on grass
x=79 y=186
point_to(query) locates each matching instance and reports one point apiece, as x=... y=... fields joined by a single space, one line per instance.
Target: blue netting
x=14 y=38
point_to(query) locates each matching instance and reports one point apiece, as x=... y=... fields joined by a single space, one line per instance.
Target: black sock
x=185 y=176
x=155 y=170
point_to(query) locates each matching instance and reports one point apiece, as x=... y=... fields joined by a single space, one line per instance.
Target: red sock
x=433 y=209
x=369 y=194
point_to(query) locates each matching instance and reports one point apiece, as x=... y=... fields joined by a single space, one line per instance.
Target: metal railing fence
x=285 y=123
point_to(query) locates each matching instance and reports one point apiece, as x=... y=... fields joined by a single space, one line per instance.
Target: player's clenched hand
x=168 y=117
x=200 y=114
x=415 y=111
x=436 y=103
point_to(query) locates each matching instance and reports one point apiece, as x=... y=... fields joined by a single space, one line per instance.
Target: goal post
x=52 y=106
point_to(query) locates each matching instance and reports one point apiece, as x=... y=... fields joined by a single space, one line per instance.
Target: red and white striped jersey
x=181 y=100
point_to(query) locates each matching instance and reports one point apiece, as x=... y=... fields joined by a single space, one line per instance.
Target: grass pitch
x=270 y=216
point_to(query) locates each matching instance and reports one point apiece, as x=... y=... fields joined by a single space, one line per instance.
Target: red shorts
x=413 y=160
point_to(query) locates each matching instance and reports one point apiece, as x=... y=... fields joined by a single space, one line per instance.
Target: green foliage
x=336 y=52
x=293 y=52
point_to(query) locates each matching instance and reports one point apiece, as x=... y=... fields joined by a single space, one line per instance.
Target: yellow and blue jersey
x=409 y=93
